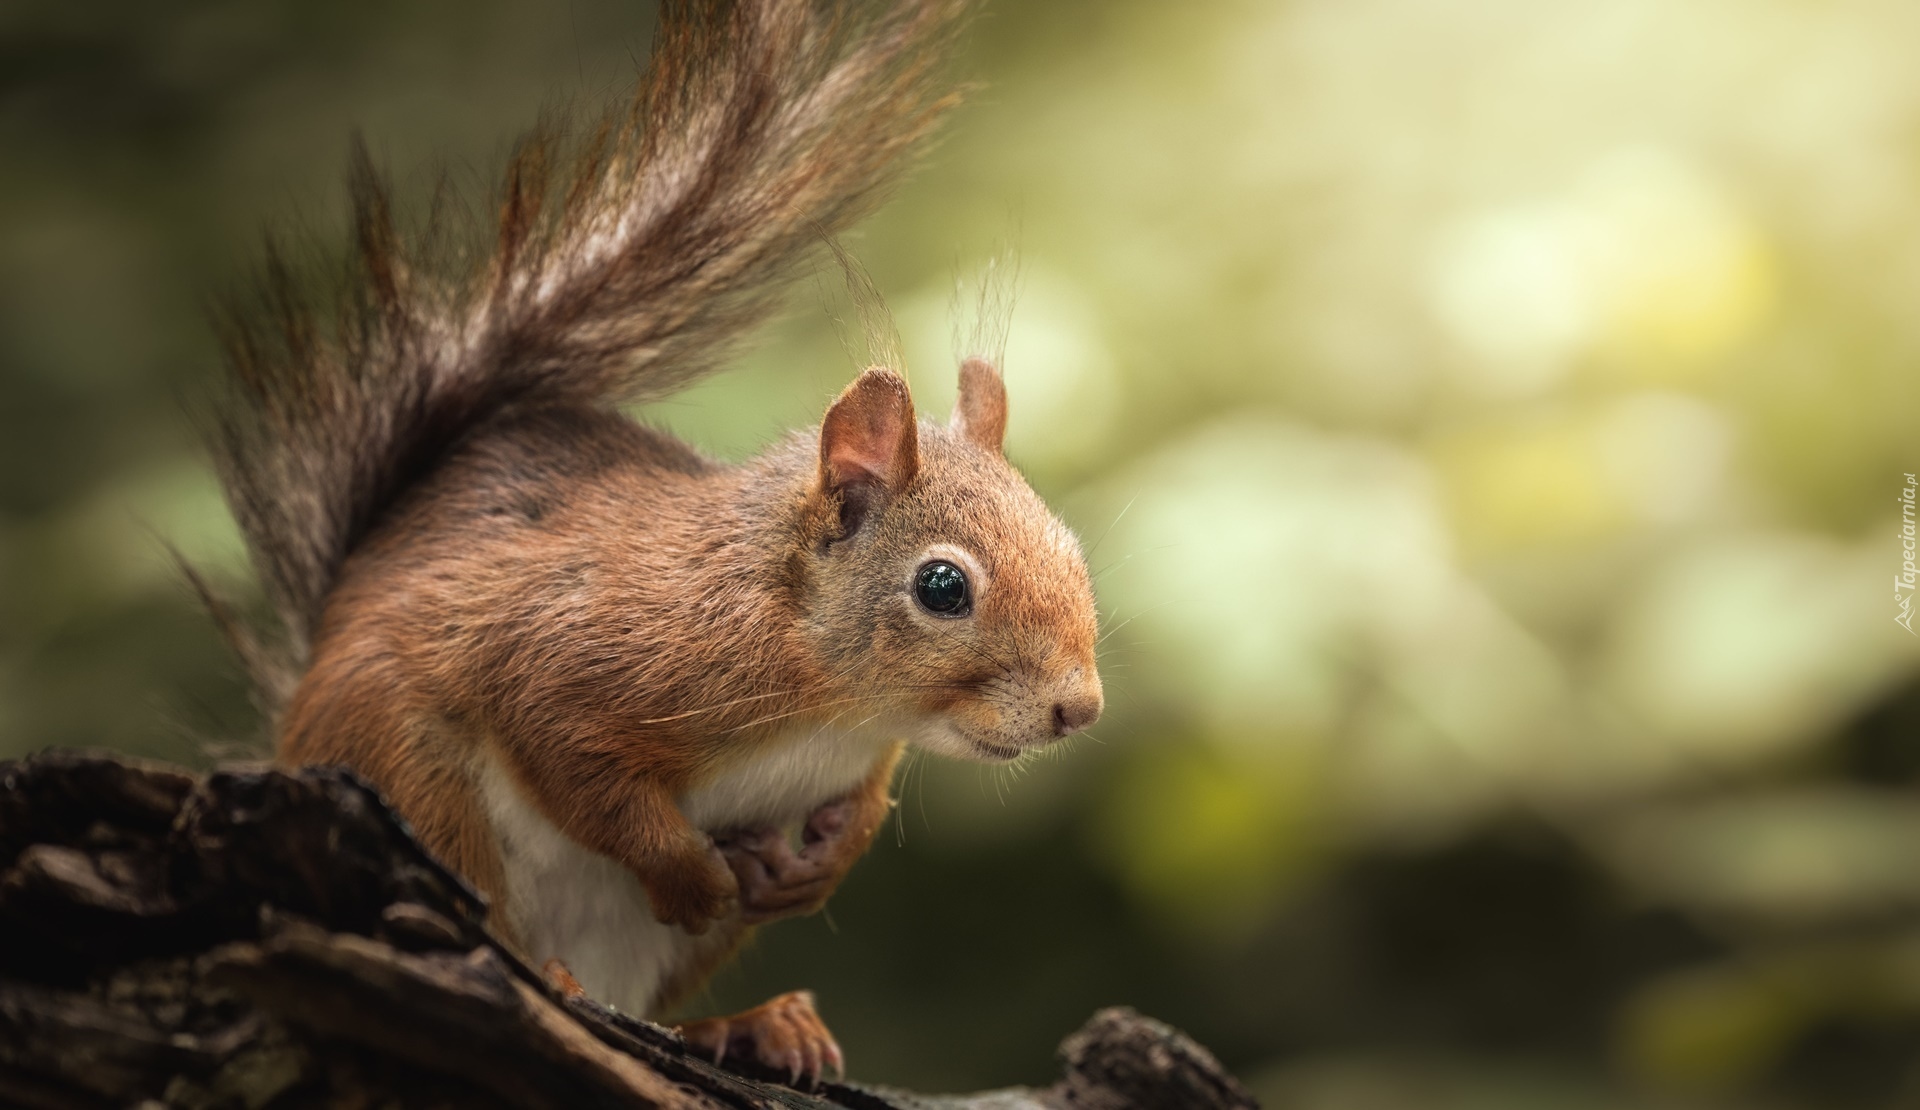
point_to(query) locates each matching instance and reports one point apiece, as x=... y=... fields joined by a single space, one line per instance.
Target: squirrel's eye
x=942 y=588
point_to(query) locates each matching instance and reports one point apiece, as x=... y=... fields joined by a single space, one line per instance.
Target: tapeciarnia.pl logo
x=1903 y=583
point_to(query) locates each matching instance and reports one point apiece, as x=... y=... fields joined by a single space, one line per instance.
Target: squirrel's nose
x=1076 y=713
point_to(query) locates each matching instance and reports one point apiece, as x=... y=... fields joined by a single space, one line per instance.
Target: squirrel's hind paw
x=784 y=1033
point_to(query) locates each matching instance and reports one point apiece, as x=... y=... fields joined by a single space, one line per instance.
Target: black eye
x=942 y=588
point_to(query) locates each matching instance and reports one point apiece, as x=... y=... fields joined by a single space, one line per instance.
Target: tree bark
x=264 y=938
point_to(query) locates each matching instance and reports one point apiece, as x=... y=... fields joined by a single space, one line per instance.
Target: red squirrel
x=602 y=675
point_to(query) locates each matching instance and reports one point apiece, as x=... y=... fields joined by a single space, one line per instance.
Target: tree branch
x=264 y=938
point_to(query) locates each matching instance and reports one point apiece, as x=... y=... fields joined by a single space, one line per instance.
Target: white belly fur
x=568 y=903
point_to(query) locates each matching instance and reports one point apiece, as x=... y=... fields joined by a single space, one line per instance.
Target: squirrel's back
x=555 y=562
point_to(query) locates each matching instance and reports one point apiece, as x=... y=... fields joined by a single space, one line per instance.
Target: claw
x=809 y=1052
x=562 y=979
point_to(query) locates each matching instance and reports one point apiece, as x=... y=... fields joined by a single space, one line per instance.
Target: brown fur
x=475 y=558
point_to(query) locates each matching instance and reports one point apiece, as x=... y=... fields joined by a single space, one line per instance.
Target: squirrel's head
x=942 y=588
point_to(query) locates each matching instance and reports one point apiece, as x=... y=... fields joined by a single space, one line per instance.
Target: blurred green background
x=1487 y=419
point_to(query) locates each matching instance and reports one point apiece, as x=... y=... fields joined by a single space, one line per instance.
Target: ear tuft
x=980 y=413
x=868 y=442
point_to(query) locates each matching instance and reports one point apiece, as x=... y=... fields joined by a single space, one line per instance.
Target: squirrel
x=604 y=677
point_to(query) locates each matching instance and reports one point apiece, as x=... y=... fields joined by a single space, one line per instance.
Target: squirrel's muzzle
x=1078 y=707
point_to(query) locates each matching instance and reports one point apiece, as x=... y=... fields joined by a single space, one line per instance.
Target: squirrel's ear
x=868 y=443
x=980 y=413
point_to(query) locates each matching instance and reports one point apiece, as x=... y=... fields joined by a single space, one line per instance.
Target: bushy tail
x=621 y=269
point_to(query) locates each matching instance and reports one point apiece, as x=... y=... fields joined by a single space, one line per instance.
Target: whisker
x=1111 y=526
x=1109 y=632
x=1115 y=565
x=715 y=708
x=1130 y=620
x=921 y=795
x=772 y=717
x=899 y=811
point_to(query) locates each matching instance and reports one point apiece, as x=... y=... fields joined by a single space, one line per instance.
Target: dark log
x=264 y=938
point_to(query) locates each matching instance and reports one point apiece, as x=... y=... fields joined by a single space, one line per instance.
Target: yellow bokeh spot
x=1707 y=1032
x=1539 y=484
x=1645 y=262
x=1682 y=273
x=1693 y=302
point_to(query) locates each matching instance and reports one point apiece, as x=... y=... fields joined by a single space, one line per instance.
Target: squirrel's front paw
x=774 y=880
x=696 y=895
